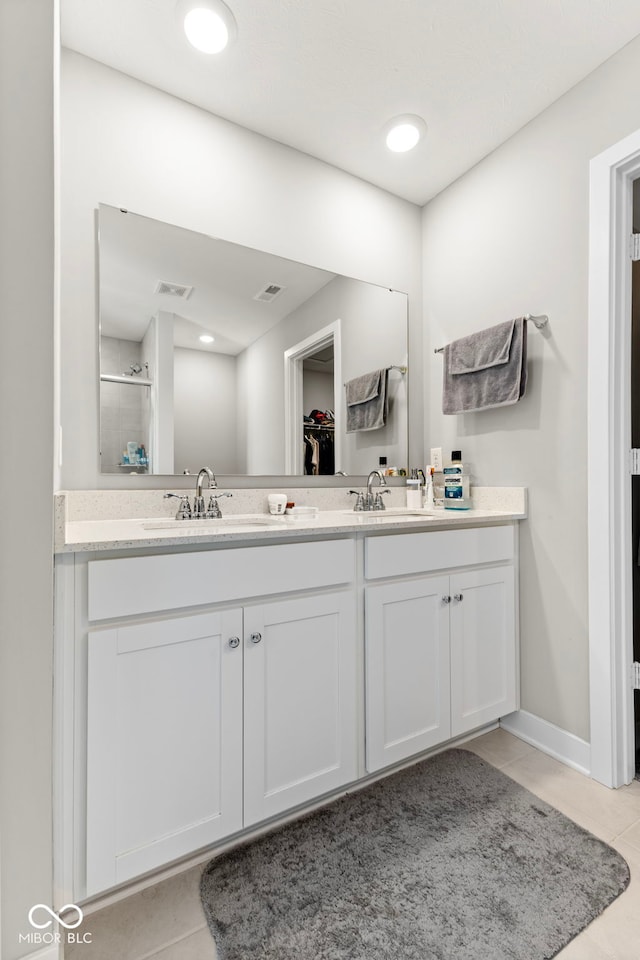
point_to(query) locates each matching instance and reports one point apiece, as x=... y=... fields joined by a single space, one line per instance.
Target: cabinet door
x=407 y=668
x=300 y=701
x=164 y=744
x=483 y=647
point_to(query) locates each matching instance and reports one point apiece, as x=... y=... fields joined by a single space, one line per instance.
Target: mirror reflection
x=214 y=353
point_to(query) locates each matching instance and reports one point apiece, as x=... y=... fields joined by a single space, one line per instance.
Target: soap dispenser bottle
x=414 y=490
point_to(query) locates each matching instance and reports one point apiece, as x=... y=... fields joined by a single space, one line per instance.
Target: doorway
x=635 y=480
x=613 y=174
x=322 y=351
x=318 y=401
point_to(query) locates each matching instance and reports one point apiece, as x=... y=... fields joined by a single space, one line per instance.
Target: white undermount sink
x=221 y=523
x=388 y=512
x=268 y=520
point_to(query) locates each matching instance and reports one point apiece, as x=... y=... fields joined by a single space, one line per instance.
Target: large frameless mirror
x=214 y=353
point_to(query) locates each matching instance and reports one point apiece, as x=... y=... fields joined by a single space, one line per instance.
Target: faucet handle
x=358 y=506
x=213 y=510
x=378 y=503
x=184 y=509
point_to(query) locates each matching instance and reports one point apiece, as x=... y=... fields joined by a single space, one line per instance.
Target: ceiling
x=136 y=253
x=325 y=76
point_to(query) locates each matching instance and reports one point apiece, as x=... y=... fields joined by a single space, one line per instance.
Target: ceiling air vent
x=269 y=293
x=173 y=289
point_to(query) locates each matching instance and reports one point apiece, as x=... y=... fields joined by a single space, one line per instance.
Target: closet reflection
x=319 y=419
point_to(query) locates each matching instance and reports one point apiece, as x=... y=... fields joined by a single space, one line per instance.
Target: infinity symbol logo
x=55 y=916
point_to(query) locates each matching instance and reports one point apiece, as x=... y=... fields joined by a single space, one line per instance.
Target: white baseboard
x=555 y=741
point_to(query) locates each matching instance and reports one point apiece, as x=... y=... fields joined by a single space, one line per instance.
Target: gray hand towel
x=367 y=401
x=487 y=369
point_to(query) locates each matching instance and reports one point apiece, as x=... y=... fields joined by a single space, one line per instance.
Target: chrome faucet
x=371 y=478
x=375 y=502
x=371 y=501
x=198 y=504
x=199 y=512
x=211 y=480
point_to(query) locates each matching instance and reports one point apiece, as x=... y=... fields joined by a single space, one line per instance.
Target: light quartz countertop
x=144 y=532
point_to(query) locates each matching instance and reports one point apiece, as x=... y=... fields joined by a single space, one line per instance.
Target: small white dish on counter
x=302 y=513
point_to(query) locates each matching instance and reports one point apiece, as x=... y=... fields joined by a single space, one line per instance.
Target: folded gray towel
x=487 y=369
x=367 y=401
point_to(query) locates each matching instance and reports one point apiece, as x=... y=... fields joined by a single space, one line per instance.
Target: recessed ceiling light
x=208 y=24
x=404 y=133
x=207 y=338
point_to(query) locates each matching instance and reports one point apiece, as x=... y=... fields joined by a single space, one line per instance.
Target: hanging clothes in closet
x=319 y=450
x=319 y=453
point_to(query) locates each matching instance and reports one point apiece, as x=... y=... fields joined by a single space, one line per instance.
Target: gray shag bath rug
x=446 y=860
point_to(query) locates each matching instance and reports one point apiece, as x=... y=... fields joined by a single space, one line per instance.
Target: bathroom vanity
x=211 y=681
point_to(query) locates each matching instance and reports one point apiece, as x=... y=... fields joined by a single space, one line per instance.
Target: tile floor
x=165 y=922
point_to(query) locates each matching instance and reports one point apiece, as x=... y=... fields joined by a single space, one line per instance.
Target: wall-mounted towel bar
x=539 y=322
x=402 y=370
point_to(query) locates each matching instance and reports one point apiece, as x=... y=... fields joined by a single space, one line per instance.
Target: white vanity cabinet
x=441 y=649
x=205 y=690
x=202 y=724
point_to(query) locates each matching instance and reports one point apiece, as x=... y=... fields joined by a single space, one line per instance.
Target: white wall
x=317 y=391
x=205 y=413
x=27 y=33
x=217 y=178
x=508 y=238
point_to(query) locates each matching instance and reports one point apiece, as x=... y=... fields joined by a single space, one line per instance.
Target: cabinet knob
x=446 y=599
x=234 y=642
x=255 y=637
x=458 y=597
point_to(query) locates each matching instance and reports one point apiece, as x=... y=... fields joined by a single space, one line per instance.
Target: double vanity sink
x=86 y=536
x=89 y=521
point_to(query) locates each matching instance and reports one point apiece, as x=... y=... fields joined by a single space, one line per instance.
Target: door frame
x=293 y=409
x=609 y=439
